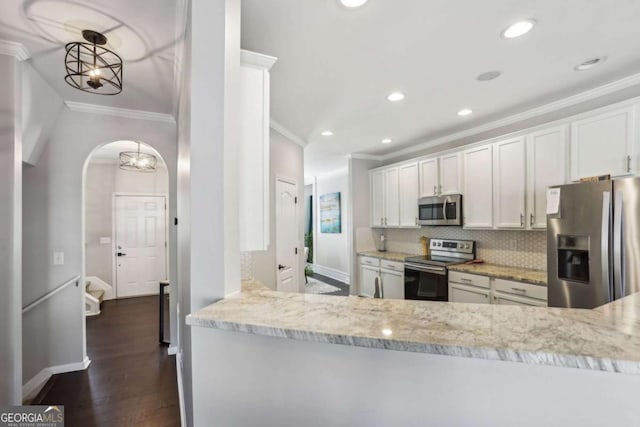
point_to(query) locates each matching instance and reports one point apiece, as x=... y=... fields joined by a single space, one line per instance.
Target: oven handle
x=436 y=270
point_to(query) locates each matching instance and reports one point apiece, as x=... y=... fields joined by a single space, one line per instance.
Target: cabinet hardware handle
x=520 y=290
x=381 y=221
x=531 y=219
x=416 y=220
x=440 y=189
x=435 y=191
x=522 y=220
x=628 y=163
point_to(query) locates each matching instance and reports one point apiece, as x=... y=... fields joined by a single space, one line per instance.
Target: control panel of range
x=460 y=246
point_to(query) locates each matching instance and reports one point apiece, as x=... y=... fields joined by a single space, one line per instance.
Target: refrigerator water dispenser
x=573 y=258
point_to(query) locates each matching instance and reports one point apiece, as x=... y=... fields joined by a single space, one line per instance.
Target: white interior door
x=140 y=241
x=286 y=236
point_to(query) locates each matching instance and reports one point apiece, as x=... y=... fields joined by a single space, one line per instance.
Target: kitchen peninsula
x=546 y=360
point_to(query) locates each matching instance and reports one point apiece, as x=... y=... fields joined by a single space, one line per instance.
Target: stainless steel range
x=425 y=277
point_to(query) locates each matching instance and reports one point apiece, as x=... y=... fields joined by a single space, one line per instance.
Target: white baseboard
x=172 y=350
x=330 y=272
x=32 y=387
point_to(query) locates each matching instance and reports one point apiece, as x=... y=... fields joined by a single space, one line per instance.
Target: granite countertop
x=536 y=277
x=391 y=256
x=603 y=339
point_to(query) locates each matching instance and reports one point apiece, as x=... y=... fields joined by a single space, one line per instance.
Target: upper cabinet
x=408 y=178
x=441 y=175
x=391 y=198
x=253 y=146
x=509 y=193
x=377 y=198
x=604 y=144
x=546 y=166
x=477 y=198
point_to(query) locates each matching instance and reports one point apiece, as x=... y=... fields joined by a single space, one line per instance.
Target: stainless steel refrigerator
x=593 y=243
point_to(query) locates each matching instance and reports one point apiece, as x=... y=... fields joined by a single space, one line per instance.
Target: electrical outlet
x=513 y=244
x=58 y=258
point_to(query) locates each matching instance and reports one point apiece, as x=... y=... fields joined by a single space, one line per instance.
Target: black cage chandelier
x=93 y=68
x=137 y=161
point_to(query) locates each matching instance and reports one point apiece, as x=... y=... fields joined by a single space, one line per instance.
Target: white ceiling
x=336 y=65
x=142 y=32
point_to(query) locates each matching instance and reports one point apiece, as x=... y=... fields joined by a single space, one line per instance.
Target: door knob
x=121 y=254
x=281 y=267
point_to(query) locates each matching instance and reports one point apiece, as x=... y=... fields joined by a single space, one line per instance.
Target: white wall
x=101 y=181
x=285 y=160
x=332 y=257
x=52 y=221
x=10 y=226
x=286 y=382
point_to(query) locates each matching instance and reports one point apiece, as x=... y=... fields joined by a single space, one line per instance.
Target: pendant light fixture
x=136 y=161
x=93 y=68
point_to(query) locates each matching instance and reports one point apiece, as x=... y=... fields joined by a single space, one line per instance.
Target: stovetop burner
x=435 y=260
x=447 y=252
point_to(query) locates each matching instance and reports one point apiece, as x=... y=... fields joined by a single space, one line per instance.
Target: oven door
x=442 y=210
x=425 y=282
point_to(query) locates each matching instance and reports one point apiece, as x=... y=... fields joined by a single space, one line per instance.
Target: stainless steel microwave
x=440 y=210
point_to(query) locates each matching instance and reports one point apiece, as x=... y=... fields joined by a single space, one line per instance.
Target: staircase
x=92 y=300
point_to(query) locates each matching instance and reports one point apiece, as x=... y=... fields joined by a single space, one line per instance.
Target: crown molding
x=360 y=156
x=287 y=133
x=257 y=59
x=551 y=107
x=82 y=107
x=17 y=50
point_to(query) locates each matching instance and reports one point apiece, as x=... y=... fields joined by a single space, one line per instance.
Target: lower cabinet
x=388 y=274
x=463 y=293
x=473 y=288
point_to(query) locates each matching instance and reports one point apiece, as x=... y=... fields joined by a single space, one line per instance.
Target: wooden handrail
x=74 y=279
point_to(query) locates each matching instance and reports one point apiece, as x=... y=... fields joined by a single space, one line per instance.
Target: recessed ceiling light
x=387 y=332
x=387 y=141
x=518 y=29
x=586 y=65
x=395 y=96
x=489 y=75
x=326 y=133
x=353 y=3
x=465 y=112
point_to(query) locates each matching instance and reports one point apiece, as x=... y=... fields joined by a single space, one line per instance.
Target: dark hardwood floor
x=131 y=380
x=344 y=288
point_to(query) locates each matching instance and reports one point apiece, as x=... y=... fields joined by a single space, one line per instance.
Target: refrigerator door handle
x=618 y=278
x=604 y=239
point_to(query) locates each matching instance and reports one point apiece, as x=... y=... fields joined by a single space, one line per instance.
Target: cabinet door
x=509 y=196
x=391 y=198
x=367 y=281
x=377 y=198
x=462 y=293
x=478 y=187
x=409 y=195
x=428 y=177
x=546 y=166
x=392 y=284
x=450 y=171
x=603 y=144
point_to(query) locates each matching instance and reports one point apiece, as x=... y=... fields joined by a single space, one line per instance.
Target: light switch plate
x=58 y=258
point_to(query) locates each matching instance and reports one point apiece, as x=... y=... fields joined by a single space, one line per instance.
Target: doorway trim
x=299 y=243
x=116 y=194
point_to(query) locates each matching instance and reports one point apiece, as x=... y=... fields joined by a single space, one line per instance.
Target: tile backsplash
x=246 y=266
x=525 y=249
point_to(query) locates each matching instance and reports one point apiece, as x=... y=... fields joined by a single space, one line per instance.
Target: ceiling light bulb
x=586 y=65
x=395 y=96
x=353 y=3
x=518 y=29
x=326 y=133
x=465 y=112
x=387 y=141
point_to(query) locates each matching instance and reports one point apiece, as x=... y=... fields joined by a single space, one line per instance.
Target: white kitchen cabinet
x=450 y=174
x=463 y=293
x=391 y=198
x=408 y=195
x=367 y=280
x=604 y=144
x=478 y=187
x=429 y=177
x=377 y=198
x=546 y=166
x=500 y=298
x=253 y=146
x=392 y=284
x=510 y=182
